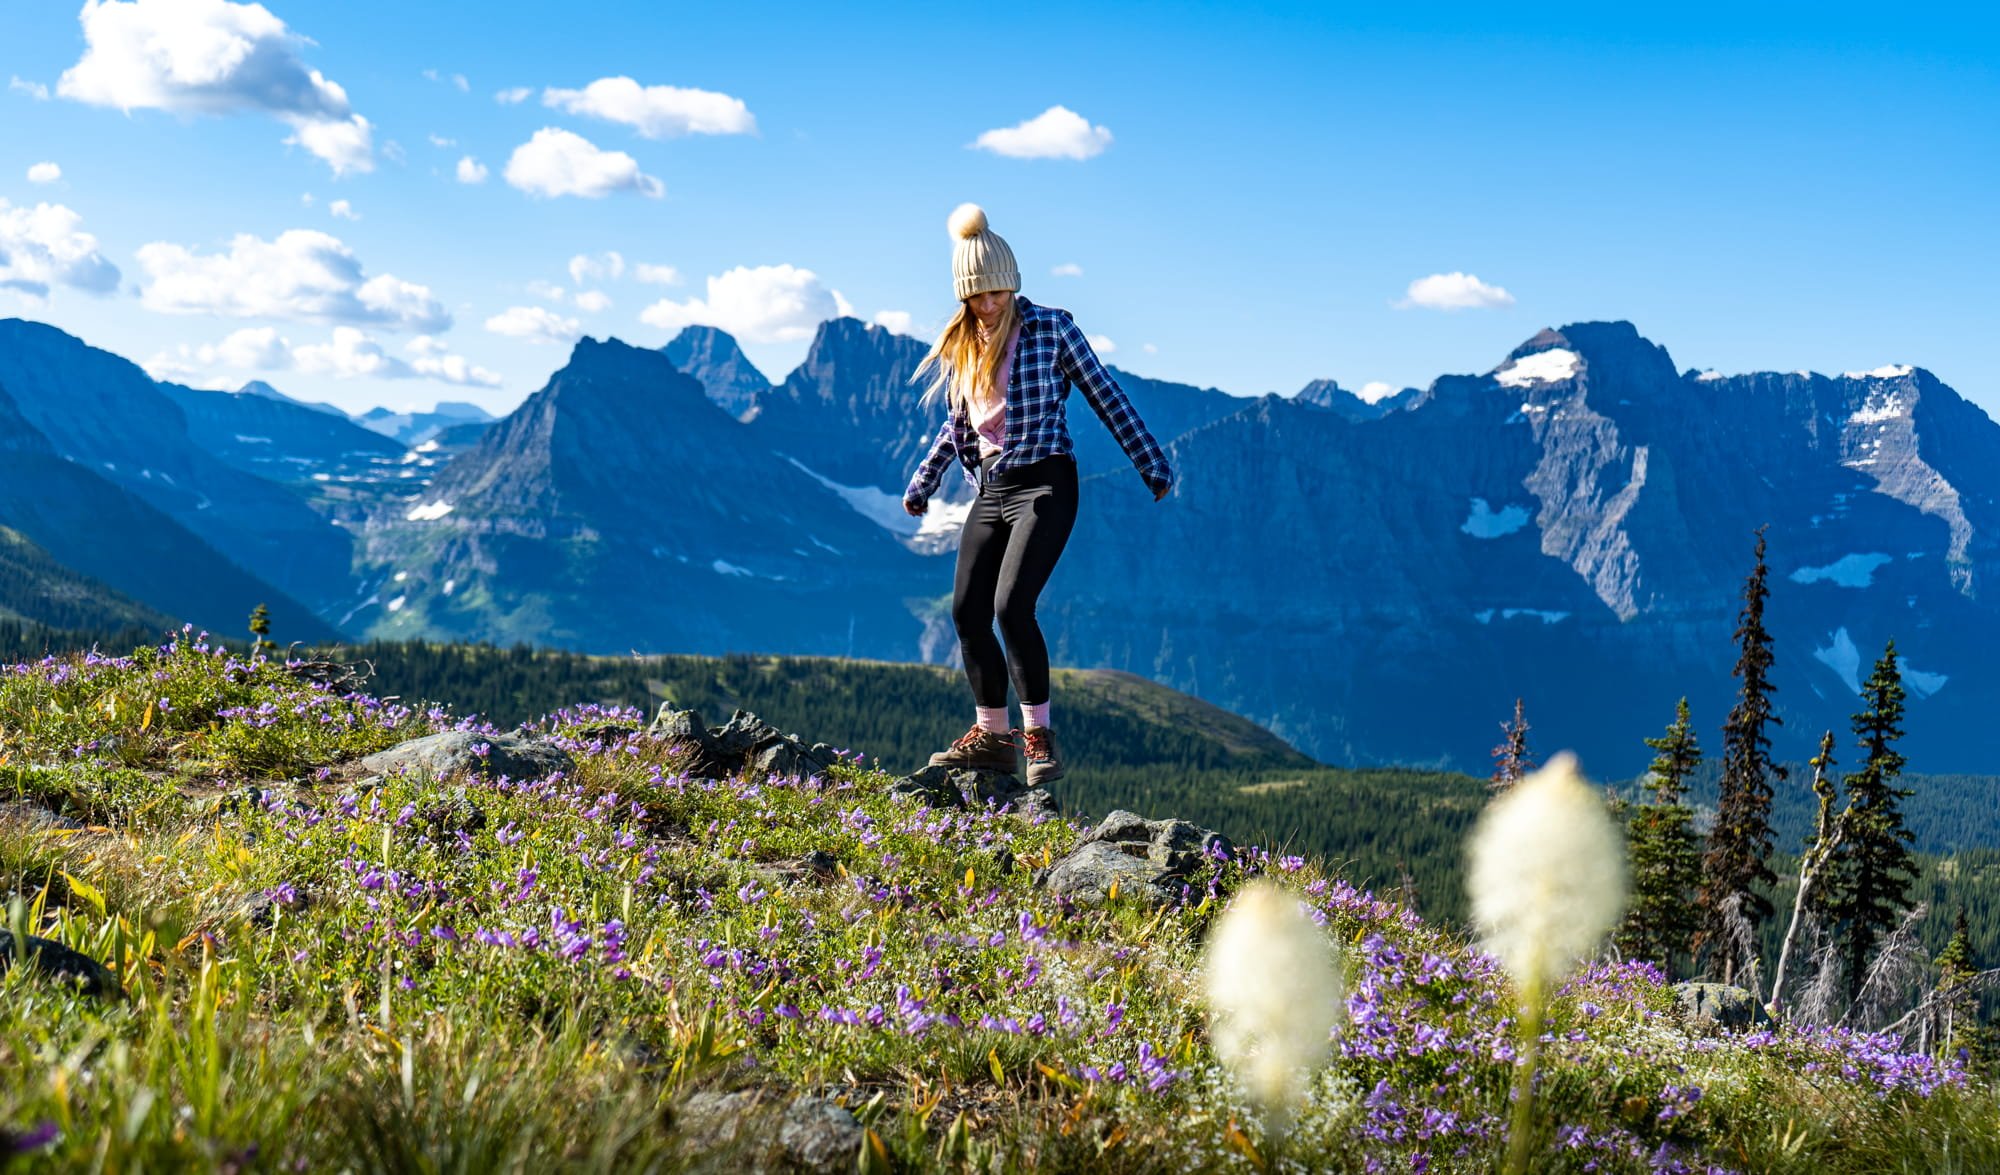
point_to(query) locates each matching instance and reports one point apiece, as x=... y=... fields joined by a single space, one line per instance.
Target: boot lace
x=1038 y=745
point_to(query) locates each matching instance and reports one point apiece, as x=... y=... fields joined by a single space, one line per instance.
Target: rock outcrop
x=488 y=756
x=1155 y=859
x=746 y=743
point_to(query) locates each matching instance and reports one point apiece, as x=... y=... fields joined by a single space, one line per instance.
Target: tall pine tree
x=1736 y=863
x=1876 y=862
x=1666 y=857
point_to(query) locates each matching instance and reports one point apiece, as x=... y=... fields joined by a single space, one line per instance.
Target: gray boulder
x=54 y=959
x=1718 y=1005
x=1151 y=859
x=744 y=744
x=946 y=787
x=441 y=755
x=29 y=817
x=820 y=1136
x=732 y=1131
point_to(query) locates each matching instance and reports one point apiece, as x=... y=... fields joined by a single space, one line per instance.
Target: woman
x=1005 y=366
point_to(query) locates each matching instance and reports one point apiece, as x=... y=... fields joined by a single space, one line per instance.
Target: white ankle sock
x=1034 y=714
x=993 y=718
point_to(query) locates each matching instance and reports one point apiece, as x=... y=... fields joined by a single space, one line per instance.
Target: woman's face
x=986 y=307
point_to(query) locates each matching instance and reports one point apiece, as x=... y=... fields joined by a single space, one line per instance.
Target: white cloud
x=767 y=304
x=593 y=301
x=583 y=267
x=547 y=291
x=45 y=246
x=1454 y=291
x=1102 y=344
x=342 y=210
x=306 y=198
x=1375 y=391
x=44 y=173
x=1067 y=269
x=464 y=87
x=304 y=275
x=535 y=324
x=471 y=171
x=656 y=112
x=213 y=57
x=514 y=95
x=439 y=141
x=657 y=275
x=558 y=163
x=1149 y=348
x=351 y=353
x=841 y=306
x=35 y=90
x=1055 y=133
x=895 y=320
x=254 y=348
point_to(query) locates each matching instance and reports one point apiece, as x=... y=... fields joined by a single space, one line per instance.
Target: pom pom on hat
x=967 y=220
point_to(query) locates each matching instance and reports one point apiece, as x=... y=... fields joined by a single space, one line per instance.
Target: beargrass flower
x=1274 y=997
x=1547 y=879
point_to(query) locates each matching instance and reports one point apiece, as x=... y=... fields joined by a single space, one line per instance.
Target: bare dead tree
x=1820 y=1001
x=1742 y=945
x=1899 y=963
x=1812 y=867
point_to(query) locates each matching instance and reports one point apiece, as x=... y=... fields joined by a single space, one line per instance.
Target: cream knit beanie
x=980 y=259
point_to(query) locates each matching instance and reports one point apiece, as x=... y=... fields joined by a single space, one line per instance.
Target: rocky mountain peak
x=713 y=357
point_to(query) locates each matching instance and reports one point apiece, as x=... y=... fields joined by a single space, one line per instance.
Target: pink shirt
x=991 y=421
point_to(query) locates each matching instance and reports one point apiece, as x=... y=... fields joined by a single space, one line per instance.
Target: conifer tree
x=1511 y=760
x=1666 y=857
x=1958 y=1007
x=1736 y=863
x=260 y=630
x=1877 y=866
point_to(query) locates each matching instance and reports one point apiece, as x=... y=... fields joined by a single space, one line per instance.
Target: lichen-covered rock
x=820 y=1136
x=948 y=787
x=732 y=1132
x=453 y=751
x=25 y=816
x=744 y=744
x=54 y=959
x=1151 y=859
x=1718 y=1005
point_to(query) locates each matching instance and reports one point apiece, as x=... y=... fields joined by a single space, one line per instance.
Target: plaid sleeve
x=925 y=482
x=1078 y=363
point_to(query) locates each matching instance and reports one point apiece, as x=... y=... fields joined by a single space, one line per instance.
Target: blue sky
x=1237 y=198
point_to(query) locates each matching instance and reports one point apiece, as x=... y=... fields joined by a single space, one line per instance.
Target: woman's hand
x=1161 y=492
x=913 y=506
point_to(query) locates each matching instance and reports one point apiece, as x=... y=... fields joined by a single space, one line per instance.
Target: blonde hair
x=963 y=371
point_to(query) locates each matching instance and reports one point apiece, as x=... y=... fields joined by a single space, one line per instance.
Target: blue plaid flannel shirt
x=1051 y=356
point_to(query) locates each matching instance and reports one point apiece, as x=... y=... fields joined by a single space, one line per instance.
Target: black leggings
x=1013 y=535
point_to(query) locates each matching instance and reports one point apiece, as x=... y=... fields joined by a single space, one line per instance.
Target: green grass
x=461 y=975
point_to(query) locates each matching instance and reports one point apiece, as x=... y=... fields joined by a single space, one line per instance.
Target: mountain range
x=1375 y=581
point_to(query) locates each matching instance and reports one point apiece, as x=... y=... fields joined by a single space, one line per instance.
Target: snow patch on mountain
x=1876 y=410
x=1848 y=571
x=1486 y=615
x=1710 y=376
x=429 y=512
x=1484 y=522
x=1546 y=367
x=880 y=507
x=1843 y=658
x=1886 y=371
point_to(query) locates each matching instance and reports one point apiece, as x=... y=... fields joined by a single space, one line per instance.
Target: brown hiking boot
x=1044 y=762
x=979 y=749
